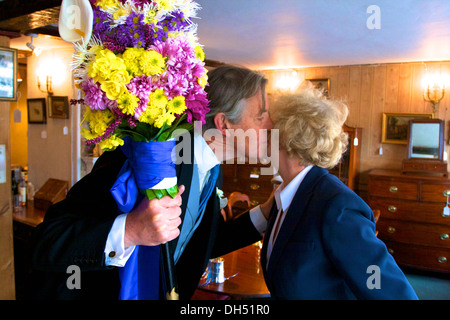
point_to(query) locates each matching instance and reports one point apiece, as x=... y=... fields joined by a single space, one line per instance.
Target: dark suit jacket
x=326 y=245
x=75 y=230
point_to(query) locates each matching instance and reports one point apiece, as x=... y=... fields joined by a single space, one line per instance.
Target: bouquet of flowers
x=141 y=69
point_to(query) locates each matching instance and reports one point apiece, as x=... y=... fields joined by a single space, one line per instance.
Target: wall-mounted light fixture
x=287 y=80
x=50 y=73
x=34 y=50
x=434 y=90
x=48 y=84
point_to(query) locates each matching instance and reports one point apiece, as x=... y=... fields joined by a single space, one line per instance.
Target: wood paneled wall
x=7 y=288
x=370 y=90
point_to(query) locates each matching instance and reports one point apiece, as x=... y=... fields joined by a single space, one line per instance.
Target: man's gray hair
x=228 y=88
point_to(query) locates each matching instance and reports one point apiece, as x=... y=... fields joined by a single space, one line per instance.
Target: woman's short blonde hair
x=310 y=126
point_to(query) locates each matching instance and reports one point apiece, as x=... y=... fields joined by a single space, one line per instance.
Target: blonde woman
x=320 y=241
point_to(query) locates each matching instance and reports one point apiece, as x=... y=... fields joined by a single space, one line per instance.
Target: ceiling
x=291 y=33
x=263 y=34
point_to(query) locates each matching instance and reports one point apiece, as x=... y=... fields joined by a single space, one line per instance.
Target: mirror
x=426 y=139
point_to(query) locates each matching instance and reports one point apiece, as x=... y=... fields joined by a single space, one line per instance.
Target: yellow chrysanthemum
x=111 y=143
x=95 y=49
x=199 y=53
x=120 y=12
x=167 y=5
x=87 y=134
x=158 y=99
x=107 y=4
x=104 y=65
x=149 y=16
x=177 y=105
x=151 y=63
x=131 y=58
x=98 y=121
x=132 y=54
x=150 y=114
x=203 y=81
x=127 y=102
x=165 y=118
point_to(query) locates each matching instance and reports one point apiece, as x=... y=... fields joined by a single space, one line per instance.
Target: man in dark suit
x=88 y=231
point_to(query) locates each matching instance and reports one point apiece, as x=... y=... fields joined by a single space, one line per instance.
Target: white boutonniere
x=222 y=200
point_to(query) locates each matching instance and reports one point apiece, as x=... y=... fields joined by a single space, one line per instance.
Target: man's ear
x=221 y=123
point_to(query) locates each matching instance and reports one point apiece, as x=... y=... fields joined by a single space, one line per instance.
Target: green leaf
x=173 y=191
x=159 y=193
x=135 y=135
x=164 y=127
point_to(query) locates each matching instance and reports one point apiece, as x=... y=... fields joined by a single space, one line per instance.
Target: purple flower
x=93 y=95
x=132 y=33
x=197 y=107
x=141 y=87
x=176 y=21
x=101 y=23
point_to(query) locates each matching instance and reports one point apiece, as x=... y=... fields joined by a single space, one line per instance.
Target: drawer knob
x=444 y=236
x=254 y=186
x=254 y=203
x=392 y=209
x=442 y=259
x=391 y=251
x=393 y=189
x=446 y=193
x=391 y=229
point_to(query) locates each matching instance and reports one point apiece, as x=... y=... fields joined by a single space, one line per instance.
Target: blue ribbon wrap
x=147 y=164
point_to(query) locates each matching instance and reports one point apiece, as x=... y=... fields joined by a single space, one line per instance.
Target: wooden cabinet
x=348 y=168
x=247 y=178
x=413 y=223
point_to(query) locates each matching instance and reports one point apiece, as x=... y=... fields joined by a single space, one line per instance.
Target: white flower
x=222 y=200
x=75 y=20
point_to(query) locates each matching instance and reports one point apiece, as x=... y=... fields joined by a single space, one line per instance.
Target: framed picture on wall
x=58 y=107
x=36 y=110
x=394 y=128
x=8 y=74
x=321 y=84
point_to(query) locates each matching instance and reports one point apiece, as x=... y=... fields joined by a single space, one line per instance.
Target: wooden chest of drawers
x=247 y=178
x=413 y=223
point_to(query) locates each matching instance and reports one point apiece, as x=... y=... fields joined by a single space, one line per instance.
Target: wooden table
x=29 y=215
x=249 y=279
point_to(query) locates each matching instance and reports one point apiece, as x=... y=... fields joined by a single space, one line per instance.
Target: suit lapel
x=296 y=209
x=270 y=224
x=184 y=174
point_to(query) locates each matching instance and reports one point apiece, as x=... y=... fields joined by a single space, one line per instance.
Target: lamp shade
x=75 y=20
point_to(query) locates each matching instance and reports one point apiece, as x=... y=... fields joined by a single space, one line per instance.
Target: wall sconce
x=50 y=74
x=287 y=80
x=19 y=79
x=434 y=90
x=48 y=84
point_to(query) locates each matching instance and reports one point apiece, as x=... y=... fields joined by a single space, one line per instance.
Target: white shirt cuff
x=258 y=219
x=115 y=252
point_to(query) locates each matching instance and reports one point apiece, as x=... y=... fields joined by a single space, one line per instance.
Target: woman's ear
x=221 y=123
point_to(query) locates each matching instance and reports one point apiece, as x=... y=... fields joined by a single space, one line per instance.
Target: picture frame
x=395 y=126
x=321 y=84
x=58 y=107
x=8 y=74
x=37 y=110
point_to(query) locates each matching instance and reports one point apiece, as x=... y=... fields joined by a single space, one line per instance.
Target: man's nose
x=268 y=124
